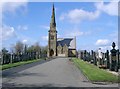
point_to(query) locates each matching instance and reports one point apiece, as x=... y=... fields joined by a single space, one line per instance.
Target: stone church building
x=59 y=46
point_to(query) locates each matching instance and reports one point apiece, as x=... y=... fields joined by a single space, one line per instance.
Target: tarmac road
x=59 y=72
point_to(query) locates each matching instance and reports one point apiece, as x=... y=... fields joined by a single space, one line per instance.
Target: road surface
x=59 y=72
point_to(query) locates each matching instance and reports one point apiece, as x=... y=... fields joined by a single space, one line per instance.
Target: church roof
x=70 y=42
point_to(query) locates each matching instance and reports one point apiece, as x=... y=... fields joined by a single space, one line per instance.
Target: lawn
x=6 y=66
x=93 y=73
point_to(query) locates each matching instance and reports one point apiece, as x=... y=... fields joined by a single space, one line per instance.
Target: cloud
x=73 y=34
x=45 y=27
x=7 y=32
x=109 y=8
x=13 y=5
x=25 y=41
x=45 y=38
x=105 y=48
x=10 y=6
x=22 y=27
x=102 y=42
x=77 y=15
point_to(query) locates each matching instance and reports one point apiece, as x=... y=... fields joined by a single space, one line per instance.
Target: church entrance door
x=51 y=52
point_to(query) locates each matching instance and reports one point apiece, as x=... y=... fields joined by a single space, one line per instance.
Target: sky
x=95 y=24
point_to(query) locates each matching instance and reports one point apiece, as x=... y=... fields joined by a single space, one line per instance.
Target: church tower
x=52 y=36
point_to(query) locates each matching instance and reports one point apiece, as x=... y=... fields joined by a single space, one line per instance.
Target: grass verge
x=93 y=73
x=6 y=66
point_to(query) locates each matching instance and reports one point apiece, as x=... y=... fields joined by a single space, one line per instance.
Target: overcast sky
x=95 y=24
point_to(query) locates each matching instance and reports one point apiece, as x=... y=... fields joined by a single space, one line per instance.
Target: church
x=64 y=47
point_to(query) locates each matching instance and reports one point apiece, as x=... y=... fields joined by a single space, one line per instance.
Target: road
x=59 y=72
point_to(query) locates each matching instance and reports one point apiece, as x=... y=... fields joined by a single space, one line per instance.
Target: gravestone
x=113 y=64
x=85 y=58
x=103 y=59
x=92 y=61
x=11 y=59
x=88 y=56
x=118 y=56
x=81 y=55
x=99 y=57
x=108 y=60
x=94 y=58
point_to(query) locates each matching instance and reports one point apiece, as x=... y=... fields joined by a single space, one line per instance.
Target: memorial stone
x=113 y=65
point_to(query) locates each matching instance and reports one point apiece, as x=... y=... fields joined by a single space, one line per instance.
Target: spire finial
x=53 y=6
x=53 y=23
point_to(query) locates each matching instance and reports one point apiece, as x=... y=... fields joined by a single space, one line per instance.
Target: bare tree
x=37 y=50
x=44 y=51
x=19 y=47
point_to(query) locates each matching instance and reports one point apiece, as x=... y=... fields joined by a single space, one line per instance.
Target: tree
x=37 y=49
x=31 y=51
x=44 y=51
x=19 y=47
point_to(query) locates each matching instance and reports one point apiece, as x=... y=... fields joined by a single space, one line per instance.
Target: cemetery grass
x=93 y=73
x=7 y=66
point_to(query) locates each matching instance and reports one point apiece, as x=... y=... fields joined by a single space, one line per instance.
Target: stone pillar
x=113 y=65
x=1 y=58
x=88 y=57
x=103 y=59
x=108 y=60
x=11 y=58
x=81 y=55
x=85 y=55
x=94 y=59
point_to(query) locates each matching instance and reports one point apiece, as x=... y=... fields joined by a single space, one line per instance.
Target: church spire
x=53 y=23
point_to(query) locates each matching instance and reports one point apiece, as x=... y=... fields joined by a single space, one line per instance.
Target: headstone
x=81 y=55
x=85 y=52
x=103 y=59
x=113 y=65
x=11 y=59
x=88 y=57
x=99 y=57
x=94 y=59
x=118 y=56
x=108 y=61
